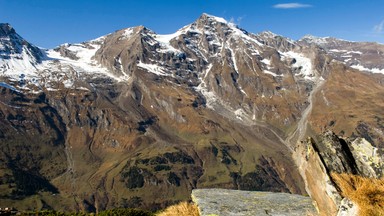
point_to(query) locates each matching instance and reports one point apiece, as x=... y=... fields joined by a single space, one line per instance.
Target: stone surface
x=347 y=208
x=369 y=160
x=345 y=156
x=336 y=154
x=235 y=202
x=319 y=185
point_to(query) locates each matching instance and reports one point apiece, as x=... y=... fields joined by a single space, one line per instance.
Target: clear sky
x=49 y=23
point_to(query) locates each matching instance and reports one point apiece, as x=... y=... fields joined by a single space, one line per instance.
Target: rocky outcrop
x=318 y=182
x=234 y=202
x=335 y=153
x=329 y=153
x=369 y=159
x=355 y=156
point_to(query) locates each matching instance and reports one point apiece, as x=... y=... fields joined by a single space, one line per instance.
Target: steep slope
x=15 y=52
x=349 y=101
x=137 y=119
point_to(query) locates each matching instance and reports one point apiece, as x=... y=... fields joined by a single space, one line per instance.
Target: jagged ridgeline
x=138 y=119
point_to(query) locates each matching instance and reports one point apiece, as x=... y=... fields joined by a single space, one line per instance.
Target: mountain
x=365 y=56
x=16 y=53
x=138 y=119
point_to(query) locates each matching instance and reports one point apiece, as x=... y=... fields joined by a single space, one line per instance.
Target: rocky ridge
x=108 y=122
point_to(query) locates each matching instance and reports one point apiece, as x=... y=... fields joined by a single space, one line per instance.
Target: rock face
x=335 y=154
x=110 y=122
x=234 y=202
x=356 y=156
x=347 y=208
x=328 y=153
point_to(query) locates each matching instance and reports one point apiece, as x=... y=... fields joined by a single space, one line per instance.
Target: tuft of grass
x=183 y=208
x=367 y=193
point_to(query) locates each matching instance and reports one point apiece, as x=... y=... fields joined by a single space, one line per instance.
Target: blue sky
x=48 y=23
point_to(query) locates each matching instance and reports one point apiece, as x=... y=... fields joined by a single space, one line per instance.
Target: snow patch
x=153 y=68
x=242 y=91
x=240 y=114
x=82 y=88
x=302 y=63
x=271 y=73
x=373 y=70
x=217 y=19
x=233 y=59
x=85 y=63
x=314 y=39
x=68 y=83
x=355 y=52
x=239 y=33
x=127 y=33
x=210 y=97
x=209 y=67
x=19 y=63
x=336 y=50
x=52 y=89
x=266 y=61
x=165 y=44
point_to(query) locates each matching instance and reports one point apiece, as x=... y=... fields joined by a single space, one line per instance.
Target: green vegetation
x=130 y=212
x=135 y=178
x=173 y=179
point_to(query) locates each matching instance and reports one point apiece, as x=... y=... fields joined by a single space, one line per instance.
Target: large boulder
x=236 y=202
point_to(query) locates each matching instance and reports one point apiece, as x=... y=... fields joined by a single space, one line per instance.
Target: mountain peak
x=268 y=34
x=212 y=18
x=16 y=53
x=314 y=39
x=6 y=29
x=210 y=23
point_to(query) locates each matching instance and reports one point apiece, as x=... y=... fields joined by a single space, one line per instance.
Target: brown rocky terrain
x=137 y=119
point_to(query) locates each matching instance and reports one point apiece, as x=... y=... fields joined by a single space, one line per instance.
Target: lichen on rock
x=236 y=202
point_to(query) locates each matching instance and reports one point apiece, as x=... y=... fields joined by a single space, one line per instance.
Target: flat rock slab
x=234 y=202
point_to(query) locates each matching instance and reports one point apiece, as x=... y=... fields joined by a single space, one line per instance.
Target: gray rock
x=235 y=202
x=369 y=160
x=347 y=208
x=336 y=154
x=358 y=157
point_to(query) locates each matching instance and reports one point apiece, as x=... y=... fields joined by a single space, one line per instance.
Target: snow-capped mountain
x=112 y=121
x=16 y=53
x=364 y=56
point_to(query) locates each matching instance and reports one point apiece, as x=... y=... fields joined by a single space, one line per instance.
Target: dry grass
x=367 y=193
x=183 y=208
